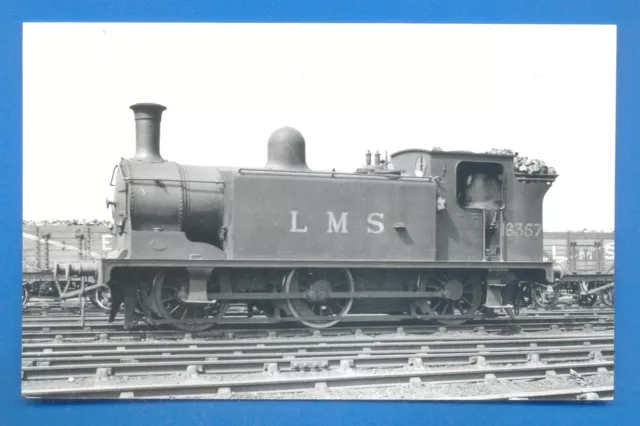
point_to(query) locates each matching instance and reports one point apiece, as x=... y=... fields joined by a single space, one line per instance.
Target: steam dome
x=286 y=150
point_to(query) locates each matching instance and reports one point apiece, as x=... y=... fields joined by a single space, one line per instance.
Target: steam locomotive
x=429 y=234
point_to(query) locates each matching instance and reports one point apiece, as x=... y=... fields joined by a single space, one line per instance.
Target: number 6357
x=518 y=229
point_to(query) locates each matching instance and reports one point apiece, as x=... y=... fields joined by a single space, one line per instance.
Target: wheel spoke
x=443 y=283
x=335 y=304
x=329 y=309
x=449 y=309
x=185 y=313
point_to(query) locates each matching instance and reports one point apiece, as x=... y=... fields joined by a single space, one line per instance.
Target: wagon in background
x=587 y=259
x=46 y=244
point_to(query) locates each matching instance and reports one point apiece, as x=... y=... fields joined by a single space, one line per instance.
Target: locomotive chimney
x=368 y=158
x=377 y=158
x=148 y=117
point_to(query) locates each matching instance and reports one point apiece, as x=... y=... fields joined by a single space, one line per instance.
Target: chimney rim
x=141 y=106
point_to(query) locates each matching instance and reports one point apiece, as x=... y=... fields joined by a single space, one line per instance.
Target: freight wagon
x=586 y=255
x=46 y=244
x=587 y=259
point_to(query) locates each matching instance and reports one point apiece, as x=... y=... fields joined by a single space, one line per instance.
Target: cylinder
x=148 y=117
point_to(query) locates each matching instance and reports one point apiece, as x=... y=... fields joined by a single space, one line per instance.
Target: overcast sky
x=546 y=92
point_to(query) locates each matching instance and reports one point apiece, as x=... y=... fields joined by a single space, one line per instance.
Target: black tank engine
x=428 y=234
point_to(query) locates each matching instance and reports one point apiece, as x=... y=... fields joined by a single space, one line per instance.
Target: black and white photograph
x=318 y=211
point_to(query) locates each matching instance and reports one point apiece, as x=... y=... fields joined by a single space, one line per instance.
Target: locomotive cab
x=493 y=215
x=474 y=188
x=480 y=188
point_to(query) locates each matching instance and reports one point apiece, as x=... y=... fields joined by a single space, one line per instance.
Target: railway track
x=43 y=325
x=63 y=360
x=198 y=386
x=71 y=332
x=72 y=312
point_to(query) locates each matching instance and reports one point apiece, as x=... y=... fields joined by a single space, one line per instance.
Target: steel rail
x=229 y=325
x=420 y=343
x=100 y=315
x=276 y=383
x=88 y=335
x=163 y=364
